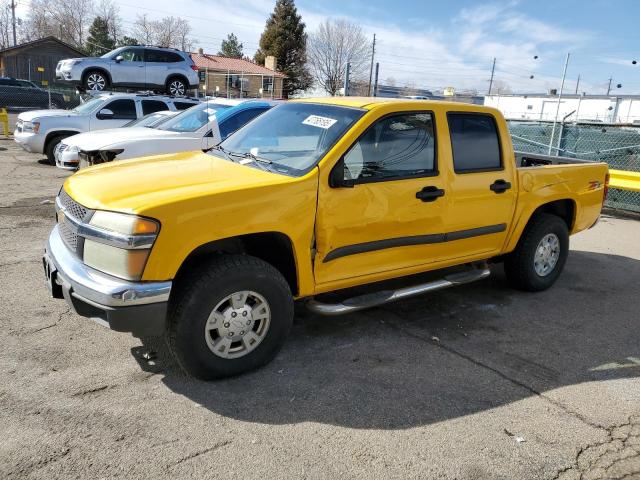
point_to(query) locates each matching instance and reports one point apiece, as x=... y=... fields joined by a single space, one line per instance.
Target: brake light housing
x=194 y=67
x=606 y=188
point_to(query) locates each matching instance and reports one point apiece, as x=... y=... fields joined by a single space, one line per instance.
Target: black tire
x=50 y=148
x=96 y=81
x=520 y=266
x=201 y=289
x=176 y=86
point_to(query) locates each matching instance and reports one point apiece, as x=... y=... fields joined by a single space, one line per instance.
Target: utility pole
x=555 y=120
x=373 y=53
x=609 y=87
x=375 y=85
x=577 y=84
x=346 y=80
x=493 y=69
x=13 y=21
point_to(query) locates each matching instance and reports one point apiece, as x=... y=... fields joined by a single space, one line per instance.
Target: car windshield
x=88 y=106
x=111 y=52
x=290 y=138
x=151 y=120
x=193 y=118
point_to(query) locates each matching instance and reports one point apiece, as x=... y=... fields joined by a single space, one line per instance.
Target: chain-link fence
x=22 y=95
x=239 y=84
x=617 y=145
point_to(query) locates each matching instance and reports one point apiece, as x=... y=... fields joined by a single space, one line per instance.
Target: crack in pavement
x=622 y=443
x=600 y=460
x=193 y=455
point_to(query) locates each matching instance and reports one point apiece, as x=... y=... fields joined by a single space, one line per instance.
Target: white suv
x=40 y=131
x=154 y=68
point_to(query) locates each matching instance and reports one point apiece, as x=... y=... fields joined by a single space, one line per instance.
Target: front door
x=389 y=213
x=130 y=69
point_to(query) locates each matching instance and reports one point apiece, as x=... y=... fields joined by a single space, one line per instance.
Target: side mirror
x=336 y=177
x=119 y=58
x=104 y=114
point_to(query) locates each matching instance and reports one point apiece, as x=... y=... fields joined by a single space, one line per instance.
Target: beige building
x=237 y=78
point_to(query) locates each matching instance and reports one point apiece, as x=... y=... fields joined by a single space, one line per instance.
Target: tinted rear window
x=475 y=142
x=150 y=106
x=183 y=105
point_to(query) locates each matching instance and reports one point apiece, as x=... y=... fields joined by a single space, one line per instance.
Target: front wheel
x=229 y=316
x=96 y=81
x=539 y=258
x=176 y=86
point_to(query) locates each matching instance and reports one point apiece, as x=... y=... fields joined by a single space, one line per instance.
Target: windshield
x=193 y=118
x=293 y=137
x=88 y=106
x=111 y=52
x=151 y=120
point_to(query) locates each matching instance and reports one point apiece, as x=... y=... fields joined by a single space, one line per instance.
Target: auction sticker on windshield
x=318 y=121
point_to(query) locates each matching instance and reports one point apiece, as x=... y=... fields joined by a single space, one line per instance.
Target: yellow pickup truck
x=307 y=202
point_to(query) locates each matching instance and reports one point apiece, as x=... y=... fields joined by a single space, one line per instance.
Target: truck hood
x=143 y=184
x=35 y=114
x=99 y=139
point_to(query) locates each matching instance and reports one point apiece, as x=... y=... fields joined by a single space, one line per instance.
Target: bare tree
x=69 y=20
x=499 y=87
x=110 y=12
x=331 y=47
x=6 y=28
x=166 y=32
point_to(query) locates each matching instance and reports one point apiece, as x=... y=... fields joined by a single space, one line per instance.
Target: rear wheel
x=176 y=86
x=229 y=316
x=96 y=81
x=539 y=258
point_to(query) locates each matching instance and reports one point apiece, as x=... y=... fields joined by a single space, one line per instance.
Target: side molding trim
x=413 y=240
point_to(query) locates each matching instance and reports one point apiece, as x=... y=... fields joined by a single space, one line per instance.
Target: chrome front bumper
x=136 y=307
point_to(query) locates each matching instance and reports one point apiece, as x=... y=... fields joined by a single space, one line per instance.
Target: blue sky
x=441 y=43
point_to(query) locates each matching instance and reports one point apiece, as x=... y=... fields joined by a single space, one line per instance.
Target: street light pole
x=493 y=69
x=555 y=120
x=373 y=53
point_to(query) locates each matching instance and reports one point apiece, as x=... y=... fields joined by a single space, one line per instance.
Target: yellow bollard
x=4 y=118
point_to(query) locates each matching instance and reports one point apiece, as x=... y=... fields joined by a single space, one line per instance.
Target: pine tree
x=127 y=41
x=231 y=47
x=99 y=41
x=284 y=37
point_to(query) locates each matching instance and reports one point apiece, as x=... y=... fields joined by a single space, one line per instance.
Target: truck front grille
x=68 y=231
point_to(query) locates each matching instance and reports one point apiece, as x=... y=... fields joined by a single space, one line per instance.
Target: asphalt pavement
x=476 y=382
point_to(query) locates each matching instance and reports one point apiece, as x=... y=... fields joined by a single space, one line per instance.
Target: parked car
x=313 y=197
x=200 y=127
x=161 y=69
x=40 y=131
x=66 y=153
x=16 y=94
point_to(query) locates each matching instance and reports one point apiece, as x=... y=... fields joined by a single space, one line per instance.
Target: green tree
x=231 y=47
x=127 y=41
x=284 y=38
x=99 y=41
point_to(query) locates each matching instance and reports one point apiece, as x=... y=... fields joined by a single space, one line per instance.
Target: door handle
x=500 y=186
x=429 y=194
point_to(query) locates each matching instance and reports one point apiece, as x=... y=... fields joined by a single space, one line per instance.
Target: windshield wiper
x=251 y=156
x=226 y=153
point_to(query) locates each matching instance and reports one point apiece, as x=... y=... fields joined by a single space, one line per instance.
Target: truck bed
x=525 y=159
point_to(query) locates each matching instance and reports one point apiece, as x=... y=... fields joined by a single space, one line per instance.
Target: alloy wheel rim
x=176 y=88
x=547 y=254
x=237 y=324
x=96 y=82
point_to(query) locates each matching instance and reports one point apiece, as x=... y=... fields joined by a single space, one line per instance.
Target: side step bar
x=385 y=296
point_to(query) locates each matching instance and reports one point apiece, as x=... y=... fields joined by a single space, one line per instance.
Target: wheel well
x=565 y=209
x=59 y=133
x=179 y=76
x=272 y=247
x=95 y=69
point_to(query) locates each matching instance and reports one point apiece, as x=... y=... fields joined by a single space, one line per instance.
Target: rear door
x=131 y=69
x=157 y=67
x=482 y=188
x=152 y=106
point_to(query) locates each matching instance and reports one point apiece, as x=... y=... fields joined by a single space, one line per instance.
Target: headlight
x=71 y=63
x=73 y=149
x=31 y=127
x=119 y=244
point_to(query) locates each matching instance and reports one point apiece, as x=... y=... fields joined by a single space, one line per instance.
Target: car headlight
x=31 y=127
x=71 y=63
x=119 y=244
x=73 y=149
